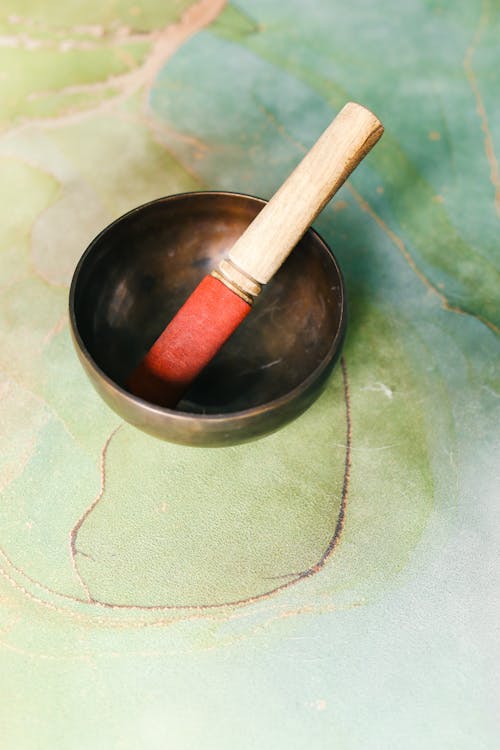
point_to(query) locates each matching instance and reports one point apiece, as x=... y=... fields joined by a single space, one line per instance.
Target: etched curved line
x=76 y=528
x=398 y=242
x=188 y=607
x=247 y=600
x=480 y=108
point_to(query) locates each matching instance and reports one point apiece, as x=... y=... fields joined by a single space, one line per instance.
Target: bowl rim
x=187 y=416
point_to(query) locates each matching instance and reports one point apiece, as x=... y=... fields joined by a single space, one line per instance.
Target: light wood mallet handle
x=213 y=311
x=273 y=234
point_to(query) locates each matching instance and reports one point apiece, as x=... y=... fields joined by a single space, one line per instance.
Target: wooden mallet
x=224 y=298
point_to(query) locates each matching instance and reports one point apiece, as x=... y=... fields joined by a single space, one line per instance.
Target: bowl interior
x=138 y=272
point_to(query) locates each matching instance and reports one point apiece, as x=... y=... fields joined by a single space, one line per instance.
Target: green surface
x=331 y=585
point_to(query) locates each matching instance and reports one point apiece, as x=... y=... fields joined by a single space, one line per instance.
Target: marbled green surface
x=334 y=584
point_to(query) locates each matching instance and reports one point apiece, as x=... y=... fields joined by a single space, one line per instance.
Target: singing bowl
x=136 y=274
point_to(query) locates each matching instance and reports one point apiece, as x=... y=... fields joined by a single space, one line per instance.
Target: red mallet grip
x=193 y=337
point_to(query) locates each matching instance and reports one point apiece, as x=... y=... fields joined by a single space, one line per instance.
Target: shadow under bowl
x=136 y=274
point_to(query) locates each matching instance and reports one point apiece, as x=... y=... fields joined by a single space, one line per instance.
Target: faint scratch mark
x=43 y=656
x=480 y=108
x=382 y=387
x=160 y=130
x=159 y=134
x=262 y=367
x=398 y=242
x=271 y=364
x=490 y=391
x=115 y=41
x=53 y=413
x=76 y=528
x=278 y=125
x=55 y=330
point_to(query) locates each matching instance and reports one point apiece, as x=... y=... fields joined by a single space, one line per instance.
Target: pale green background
x=155 y=596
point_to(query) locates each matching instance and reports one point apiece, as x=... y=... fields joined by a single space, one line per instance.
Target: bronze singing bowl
x=137 y=273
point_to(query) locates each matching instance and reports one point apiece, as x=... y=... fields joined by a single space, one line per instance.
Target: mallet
x=224 y=298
